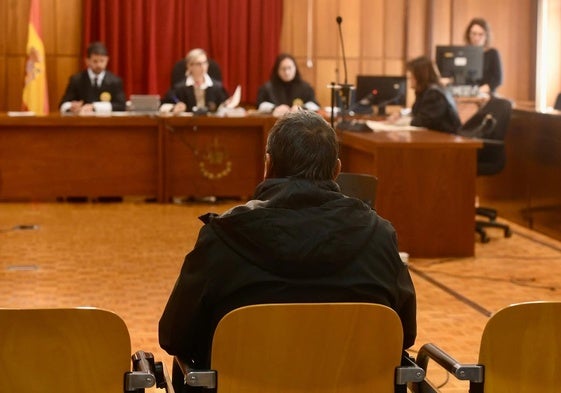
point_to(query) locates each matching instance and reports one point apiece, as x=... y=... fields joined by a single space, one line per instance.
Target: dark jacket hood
x=295 y=227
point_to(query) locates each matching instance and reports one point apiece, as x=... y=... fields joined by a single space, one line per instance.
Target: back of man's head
x=97 y=48
x=302 y=145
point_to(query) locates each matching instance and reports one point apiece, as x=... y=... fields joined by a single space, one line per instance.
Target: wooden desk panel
x=528 y=190
x=47 y=157
x=208 y=156
x=426 y=187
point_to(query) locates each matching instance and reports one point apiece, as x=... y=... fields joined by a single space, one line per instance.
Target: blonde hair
x=193 y=54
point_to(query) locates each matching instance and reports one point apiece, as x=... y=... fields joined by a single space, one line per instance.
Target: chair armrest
x=146 y=374
x=466 y=372
x=141 y=377
x=408 y=372
x=192 y=377
x=471 y=372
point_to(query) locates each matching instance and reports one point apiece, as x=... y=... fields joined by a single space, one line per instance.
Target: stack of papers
x=384 y=126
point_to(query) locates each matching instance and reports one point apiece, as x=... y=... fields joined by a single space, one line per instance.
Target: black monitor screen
x=381 y=90
x=463 y=63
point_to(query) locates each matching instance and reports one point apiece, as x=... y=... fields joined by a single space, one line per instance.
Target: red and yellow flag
x=35 y=96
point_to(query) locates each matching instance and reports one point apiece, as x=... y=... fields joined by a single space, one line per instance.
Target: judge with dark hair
x=93 y=84
x=434 y=106
x=298 y=240
x=286 y=90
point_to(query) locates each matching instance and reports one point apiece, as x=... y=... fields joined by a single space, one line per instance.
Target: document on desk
x=377 y=126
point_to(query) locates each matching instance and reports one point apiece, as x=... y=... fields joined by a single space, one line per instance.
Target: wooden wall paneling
x=372 y=66
x=14 y=84
x=66 y=52
x=554 y=52
x=441 y=25
x=394 y=67
x=394 y=29
x=49 y=19
x=416 y=28
x=293 y=35
x=60 y=73
x=16 y=27
x=68 y=35
x=325 y=74
x=16 y=41
x=326 y=34
x=372 y=20
x=3 y=58
x=3 y=27
x=350 y=11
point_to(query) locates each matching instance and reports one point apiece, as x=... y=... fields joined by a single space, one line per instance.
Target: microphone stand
x=343 y=88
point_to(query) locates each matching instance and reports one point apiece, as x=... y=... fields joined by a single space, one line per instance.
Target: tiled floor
x=125 y=257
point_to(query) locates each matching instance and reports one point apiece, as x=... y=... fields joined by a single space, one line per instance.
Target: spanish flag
x=35 y=96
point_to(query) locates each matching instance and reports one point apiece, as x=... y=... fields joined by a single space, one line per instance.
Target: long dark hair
x=275 y=78
x=424 y=72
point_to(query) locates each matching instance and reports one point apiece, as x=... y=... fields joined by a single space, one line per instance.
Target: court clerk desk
x=426 y=179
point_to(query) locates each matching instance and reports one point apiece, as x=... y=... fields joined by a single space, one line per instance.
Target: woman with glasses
x=198 y=92
x=478 y=33
x=286 y=90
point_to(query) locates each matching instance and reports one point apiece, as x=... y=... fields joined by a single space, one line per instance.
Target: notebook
x=145 y=103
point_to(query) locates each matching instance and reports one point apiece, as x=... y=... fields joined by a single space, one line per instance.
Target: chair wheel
x=508 y=232
x=485 y=238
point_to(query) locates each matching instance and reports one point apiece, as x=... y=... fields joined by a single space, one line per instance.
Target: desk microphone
x=339 y=21
x=345 y=88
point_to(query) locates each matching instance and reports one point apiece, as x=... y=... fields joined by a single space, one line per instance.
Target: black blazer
x=286 y=93
x=80 y=88
x=214 y=95
x=435 y=109
x=492 y=69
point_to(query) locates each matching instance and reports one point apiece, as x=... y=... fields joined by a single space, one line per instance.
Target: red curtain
x=146 y=37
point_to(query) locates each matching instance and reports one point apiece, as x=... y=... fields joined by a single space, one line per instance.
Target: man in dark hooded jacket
x=298 y=240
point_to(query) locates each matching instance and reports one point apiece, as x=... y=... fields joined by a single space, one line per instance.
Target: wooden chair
x=313 y=347
x=358 y=185
x=520 y=352
x=65 y=350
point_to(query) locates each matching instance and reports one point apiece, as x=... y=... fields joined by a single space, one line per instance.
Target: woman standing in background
x=478 y=33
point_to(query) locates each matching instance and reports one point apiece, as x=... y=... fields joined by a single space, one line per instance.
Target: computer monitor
x=379 y=90
x=463 y=63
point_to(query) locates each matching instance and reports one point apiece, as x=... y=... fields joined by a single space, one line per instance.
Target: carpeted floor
x=125 y=257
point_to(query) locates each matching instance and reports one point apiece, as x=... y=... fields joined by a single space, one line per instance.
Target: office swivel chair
x=557 y=105
x=520 y=351
x=69 y=350
x=306 y=347
x=490 y=124
x=358 y=185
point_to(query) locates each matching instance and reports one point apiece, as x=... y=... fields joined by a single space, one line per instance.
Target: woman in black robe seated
x=286 y=90
x=434 y=106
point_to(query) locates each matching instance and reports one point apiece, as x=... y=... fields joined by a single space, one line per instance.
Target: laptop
x=144 y=103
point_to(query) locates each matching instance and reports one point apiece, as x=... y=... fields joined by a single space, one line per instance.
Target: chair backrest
x=82 y=350
x=314 y=347
x=557 y=104
x=358 y=185
x=178 y=71
x=521 y=349
x=490 y=123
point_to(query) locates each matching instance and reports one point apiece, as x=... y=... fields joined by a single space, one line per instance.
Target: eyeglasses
x=199 y=63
